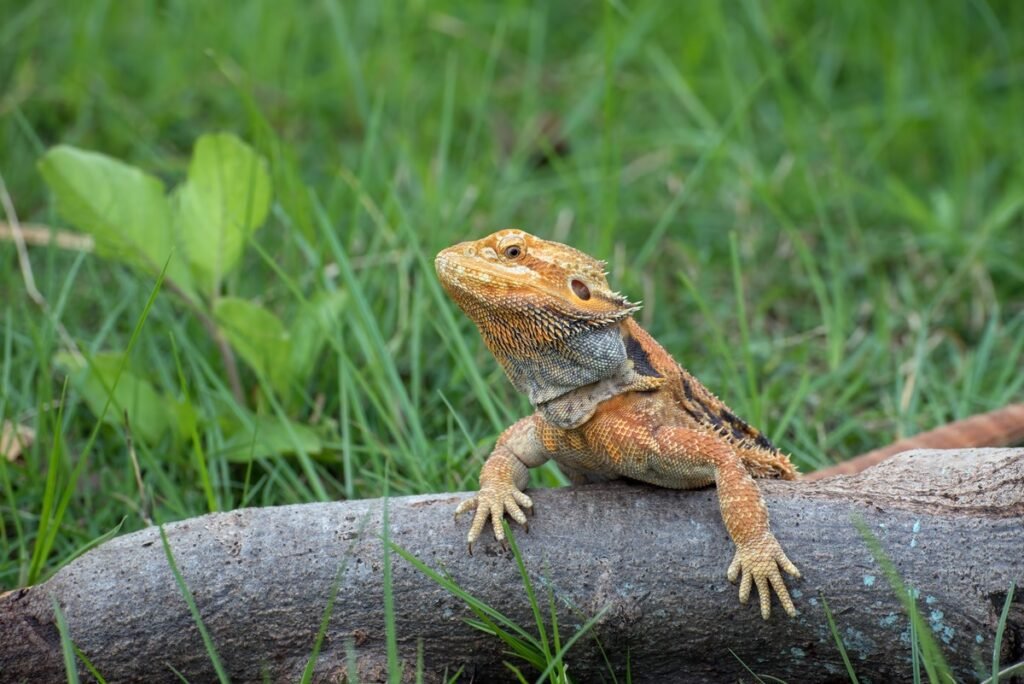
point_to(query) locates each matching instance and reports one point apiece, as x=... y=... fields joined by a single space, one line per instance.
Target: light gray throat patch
x=553 y=370
x=567 y=381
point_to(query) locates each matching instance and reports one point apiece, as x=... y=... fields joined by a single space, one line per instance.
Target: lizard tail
x=1002 y=427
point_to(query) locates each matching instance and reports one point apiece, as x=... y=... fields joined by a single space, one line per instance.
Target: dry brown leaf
x=14 y=439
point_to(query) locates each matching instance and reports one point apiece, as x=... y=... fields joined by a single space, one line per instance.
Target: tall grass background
x=820 y=205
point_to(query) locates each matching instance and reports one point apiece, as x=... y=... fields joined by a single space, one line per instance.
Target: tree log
x=952 y=522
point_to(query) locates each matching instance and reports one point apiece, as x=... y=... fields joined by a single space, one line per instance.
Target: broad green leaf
x=259 y=337
x=313 y=323
x=226 y=198
x=186 y=418
x=149 y=413
x=268 y=436
x=124 y=209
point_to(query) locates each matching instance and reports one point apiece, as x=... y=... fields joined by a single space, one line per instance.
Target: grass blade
x=997 y=646
x=66 y=647
x=839 y=641
x=929 y=653
x=186 y=593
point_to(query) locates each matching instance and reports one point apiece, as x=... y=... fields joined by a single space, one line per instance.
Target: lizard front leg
x=503 y=479
x=759 y=556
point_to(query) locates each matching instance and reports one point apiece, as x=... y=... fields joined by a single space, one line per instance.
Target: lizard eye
x=513 y=252
x=580 y=289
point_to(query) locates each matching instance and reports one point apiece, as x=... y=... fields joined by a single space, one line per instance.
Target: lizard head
x=540 y=288
x=547 y=314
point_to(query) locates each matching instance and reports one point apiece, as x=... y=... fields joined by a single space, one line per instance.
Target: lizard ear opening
x=580 y=289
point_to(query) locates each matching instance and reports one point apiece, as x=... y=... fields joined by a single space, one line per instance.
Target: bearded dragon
x=609 y=401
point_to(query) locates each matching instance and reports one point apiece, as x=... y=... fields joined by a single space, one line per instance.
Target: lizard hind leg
x=759 y=557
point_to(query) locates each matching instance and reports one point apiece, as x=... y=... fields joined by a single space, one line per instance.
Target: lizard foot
x=493 y=503
x=758 y=562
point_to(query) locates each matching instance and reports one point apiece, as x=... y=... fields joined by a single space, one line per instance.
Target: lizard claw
x=492 y=503
x=757 y=563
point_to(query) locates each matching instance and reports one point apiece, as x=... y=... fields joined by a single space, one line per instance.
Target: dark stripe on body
x=641 y=360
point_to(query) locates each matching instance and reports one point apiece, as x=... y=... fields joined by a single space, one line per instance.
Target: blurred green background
x=820 y=205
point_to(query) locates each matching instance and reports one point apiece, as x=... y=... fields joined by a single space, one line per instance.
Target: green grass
x=544 y=650
x=186 y=592
x=820 y=205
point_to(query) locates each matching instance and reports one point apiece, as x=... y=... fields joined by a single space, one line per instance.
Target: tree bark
x=952 y=523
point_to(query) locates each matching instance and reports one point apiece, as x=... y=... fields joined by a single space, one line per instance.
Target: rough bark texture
x=952 y=522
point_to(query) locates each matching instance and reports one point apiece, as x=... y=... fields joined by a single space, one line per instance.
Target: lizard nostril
x=470 y=251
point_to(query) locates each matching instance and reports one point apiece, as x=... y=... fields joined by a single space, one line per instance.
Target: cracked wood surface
x=951 y=521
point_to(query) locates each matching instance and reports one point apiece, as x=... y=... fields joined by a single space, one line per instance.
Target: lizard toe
x=763 y=596
x=522 y=499
x=746 y=581
x=779 y=585
x=467 y=505
x=733 y=573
